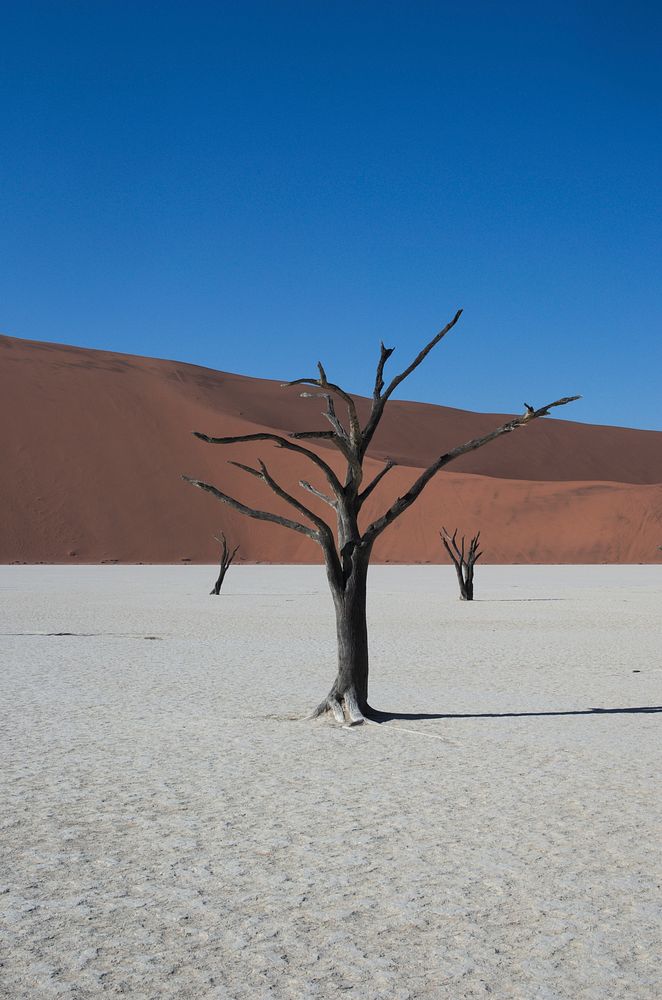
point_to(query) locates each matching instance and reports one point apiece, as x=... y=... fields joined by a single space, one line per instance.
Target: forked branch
x=305 y=485
x=331 y=387
x=363 y=496
x=421 y=356
x=282 y=442
x=402 y=503
x=258 y=515
x=263 y=474
x=385 y=354
x=464 y=561
x=226 y=561
x=381 y=396
x=329 y=413
x=227 y=557
x=347 y=555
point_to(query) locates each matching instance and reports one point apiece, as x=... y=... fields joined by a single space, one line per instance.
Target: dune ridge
x=96 y=442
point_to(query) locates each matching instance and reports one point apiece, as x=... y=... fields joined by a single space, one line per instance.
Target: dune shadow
x=378 y=716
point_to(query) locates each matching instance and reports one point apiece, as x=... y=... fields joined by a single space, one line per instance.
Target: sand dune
x=95 y=443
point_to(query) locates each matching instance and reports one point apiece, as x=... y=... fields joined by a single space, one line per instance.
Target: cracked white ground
x=172 y=829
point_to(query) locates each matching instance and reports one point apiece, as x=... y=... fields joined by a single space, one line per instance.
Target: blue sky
x=253 y=186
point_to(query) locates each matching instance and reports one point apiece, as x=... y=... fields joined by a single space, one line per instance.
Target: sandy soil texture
x=99 y=442
x=170 y=828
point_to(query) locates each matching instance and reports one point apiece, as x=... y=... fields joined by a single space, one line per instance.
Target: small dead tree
x=347 y=547
x=226 y=561
x=463 y=559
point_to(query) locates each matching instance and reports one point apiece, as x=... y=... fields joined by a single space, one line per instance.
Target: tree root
x=345 y=709
x=336 y=708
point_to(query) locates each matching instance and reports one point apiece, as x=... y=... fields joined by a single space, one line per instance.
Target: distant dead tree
x=463 y=559
x=226 y=562
x=347 y=547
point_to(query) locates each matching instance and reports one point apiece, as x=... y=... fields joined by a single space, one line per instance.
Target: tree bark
x=216 y=589
x=464 y=564
x=465 y=594
x=348 y=697
x=226 y=560
x=347 y=550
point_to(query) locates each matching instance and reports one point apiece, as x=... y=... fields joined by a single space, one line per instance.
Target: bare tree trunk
x=347 y=549
x=464 y=592
x=227 y=558
x=216 y=589
x=348 y=697
x=464 y=563
x=352 y=632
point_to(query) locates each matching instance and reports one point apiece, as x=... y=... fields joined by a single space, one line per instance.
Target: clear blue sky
x=255 y=185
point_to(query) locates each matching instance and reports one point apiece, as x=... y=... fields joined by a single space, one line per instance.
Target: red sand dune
x=95 y=443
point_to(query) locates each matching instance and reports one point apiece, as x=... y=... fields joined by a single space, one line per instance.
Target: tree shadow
x=514 y=600
x=377 y=716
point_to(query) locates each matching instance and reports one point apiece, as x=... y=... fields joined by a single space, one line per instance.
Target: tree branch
x=474 y=554
x=226 y=561
x=323 y=528
x=385 y=354
x=381 y=398
x=329 y=413
x=374 y=482
x=227 y=557
x=304 y=484
x=323 y=383
x=313 y=435
x=451 y=545
x=263 y=474
x=247 y=468
x=258 y=515
x=455 y=552
x=421 y=356
x=344 y=446
x=402 y=503
x=282 y=442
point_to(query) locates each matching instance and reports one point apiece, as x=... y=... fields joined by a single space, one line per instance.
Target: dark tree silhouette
x=463 y=559
x=226 y=561
x=347 y=547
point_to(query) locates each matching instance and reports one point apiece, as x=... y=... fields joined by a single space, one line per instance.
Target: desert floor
x=171 y=828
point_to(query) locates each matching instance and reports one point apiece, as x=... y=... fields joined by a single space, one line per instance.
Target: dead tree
x=463 y=560
x=226 y=562
x=347 y=547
